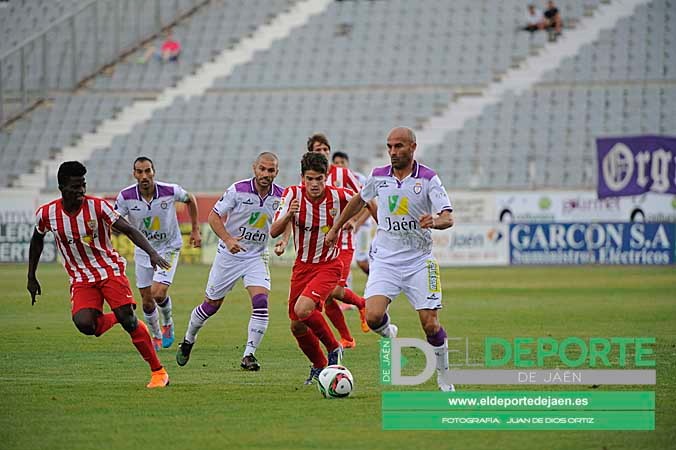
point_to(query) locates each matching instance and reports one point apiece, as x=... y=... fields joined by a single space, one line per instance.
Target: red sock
x=321 y=329
x=309 y=344
x=353 y=299
x=104 y=323
x=337 y=318
x=140 y=337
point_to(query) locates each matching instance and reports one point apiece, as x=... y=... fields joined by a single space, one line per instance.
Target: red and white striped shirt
x=83 y=238
x=313 y=221
x=343 y=177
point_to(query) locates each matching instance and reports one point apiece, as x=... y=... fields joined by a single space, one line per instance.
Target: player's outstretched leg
x=198 y=318
x=164 y=306
x=440 y=344
x=313 y=319
x=436 y=337
x=140 y=337
x=309 y=344
x=258 y=324
x=316 y=322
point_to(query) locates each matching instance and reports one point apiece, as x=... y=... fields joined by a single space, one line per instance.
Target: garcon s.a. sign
x=592 y=243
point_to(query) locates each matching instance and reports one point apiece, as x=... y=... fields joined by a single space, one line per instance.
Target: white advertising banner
x=473 y=207
x=472 y=245
x=582 y=206
x=17 y=222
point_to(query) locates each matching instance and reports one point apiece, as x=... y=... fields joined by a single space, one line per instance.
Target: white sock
x=386 y=329
x=165 y=311
x=198 y=317
x=441 y=352
x=258 y=323
x=153 y=321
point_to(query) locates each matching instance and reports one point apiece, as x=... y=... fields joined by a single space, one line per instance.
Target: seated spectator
x=169 y=51
x=553 y=18
x=171 y=48
x=534 y=19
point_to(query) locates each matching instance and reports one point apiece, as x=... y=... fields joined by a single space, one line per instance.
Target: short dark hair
x=317 y=137
x=141 y=159
x=70 y=169
x=340 y=155
x=314 y=161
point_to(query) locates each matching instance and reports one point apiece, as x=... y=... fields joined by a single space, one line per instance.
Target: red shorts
x=346 y=258
x=115 y=290
x=315 y=281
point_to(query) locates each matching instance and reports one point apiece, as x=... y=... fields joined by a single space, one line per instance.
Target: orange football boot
x=158 y=379
x=348 y=344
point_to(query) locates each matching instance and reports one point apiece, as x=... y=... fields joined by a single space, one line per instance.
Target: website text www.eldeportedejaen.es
x=523 y=361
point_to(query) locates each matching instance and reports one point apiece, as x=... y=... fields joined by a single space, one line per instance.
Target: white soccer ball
x=335 y=382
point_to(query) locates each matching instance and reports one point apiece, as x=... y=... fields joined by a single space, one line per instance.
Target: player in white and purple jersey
x=241 y=219
x=150 y=207
x=411 y=201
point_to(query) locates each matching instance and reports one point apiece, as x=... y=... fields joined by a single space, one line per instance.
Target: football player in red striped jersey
x=81 y=226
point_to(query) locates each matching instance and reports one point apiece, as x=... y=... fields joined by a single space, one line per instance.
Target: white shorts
x=146 y=276
x=421 y=283
x=226 y=270
x=362 y=242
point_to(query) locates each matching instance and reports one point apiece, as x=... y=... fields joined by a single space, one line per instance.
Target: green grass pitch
x=62 y=390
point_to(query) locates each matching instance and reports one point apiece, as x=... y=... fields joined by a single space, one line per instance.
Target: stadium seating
x=52 y=127
x=545 y=137
x=189 y=141
x=25 y=19
x=361 y=67
x=316 y=78
x=640 y=48
x=21 y=19
x=622 y=84
x=217 y=26
x=362 y=43
x=25 y=153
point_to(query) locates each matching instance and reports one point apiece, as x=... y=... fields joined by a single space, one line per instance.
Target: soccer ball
x=335 y=382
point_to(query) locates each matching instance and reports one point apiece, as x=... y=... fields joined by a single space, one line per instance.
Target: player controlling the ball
x=411 y=202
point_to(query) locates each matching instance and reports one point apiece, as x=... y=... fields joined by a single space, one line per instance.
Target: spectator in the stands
x=553 y=19
x=169 y=51
x=534 y=19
